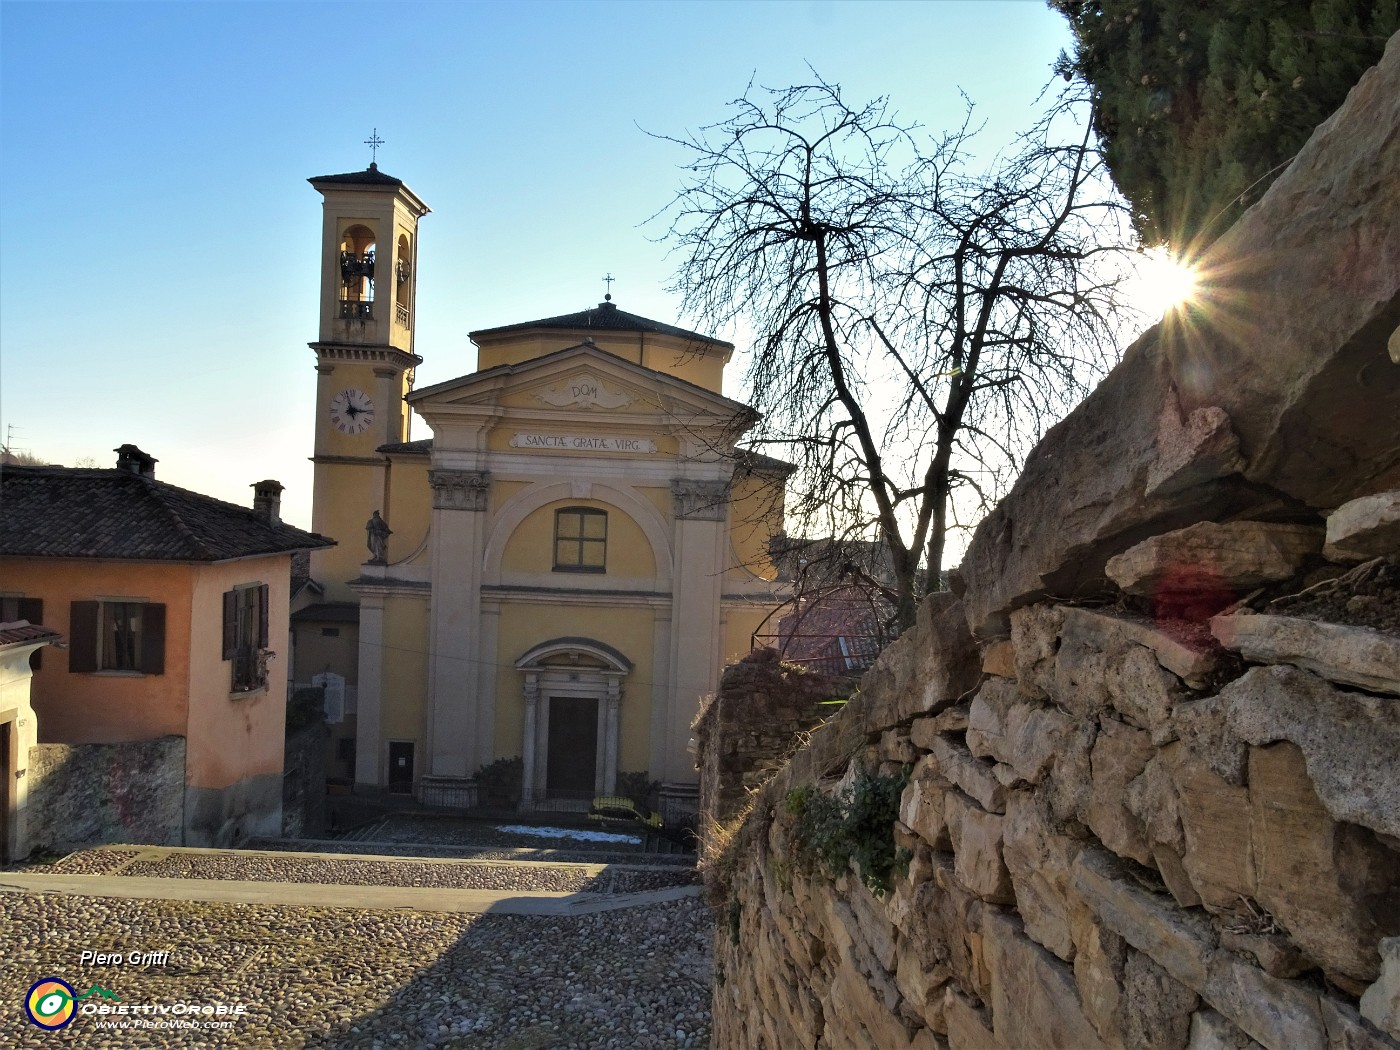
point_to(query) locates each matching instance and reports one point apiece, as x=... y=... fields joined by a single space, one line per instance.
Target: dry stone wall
x=1152 y=743
x=1124 y=834
x=89 y=794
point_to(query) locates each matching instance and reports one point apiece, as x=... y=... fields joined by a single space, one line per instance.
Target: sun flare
x=1162 y=282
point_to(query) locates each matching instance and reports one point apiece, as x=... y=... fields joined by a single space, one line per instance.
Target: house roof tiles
x=22 y=632
x=76 y=512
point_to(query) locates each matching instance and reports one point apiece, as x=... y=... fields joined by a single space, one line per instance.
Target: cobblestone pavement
x=159 y=862
x=311 y=977
x=324 y=978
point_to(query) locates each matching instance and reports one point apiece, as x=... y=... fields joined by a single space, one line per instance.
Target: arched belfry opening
x=357 y=249
x=403 y=281
x=573 y=691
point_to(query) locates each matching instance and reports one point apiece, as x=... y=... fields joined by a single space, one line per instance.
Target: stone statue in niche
x=377 y=535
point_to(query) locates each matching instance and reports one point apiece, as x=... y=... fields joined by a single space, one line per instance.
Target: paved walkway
x=326 y=895
x=340 y=895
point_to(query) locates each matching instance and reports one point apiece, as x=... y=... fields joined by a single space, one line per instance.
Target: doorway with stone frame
x=573 y=695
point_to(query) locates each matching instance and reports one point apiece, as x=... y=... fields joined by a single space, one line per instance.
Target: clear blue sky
x=159 y=243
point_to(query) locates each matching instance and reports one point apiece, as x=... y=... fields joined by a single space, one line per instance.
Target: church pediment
x=580 y=381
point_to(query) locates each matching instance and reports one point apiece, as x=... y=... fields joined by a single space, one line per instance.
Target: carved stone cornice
x=702 y=500
x=380 y=353
x=459 y=489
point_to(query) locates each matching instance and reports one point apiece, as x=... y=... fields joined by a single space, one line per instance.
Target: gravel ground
x=331 y=978
x=475 y=876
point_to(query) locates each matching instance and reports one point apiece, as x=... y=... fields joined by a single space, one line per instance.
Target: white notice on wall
x=582 y=443
x=334 y=686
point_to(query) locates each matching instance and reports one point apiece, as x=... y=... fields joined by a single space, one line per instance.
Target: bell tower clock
x=364 y=357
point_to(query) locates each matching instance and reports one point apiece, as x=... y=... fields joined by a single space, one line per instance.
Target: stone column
x=369 y=744
x=610 y=727
x=460 y=729
x=701 y=509
x=527 y=750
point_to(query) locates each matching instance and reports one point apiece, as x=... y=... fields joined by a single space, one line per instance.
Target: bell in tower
x=357 y=274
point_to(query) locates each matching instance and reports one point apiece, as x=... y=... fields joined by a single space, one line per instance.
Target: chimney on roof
x=134 y=461
x=267 y=501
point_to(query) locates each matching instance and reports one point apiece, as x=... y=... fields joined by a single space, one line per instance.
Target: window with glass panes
x=120 y=628
x=580 y=540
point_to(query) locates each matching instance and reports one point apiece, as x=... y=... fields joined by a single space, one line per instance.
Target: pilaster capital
x=459 y=489
x=703 y=500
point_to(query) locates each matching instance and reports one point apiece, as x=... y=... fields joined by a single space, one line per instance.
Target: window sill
x=248 y=694
x=118 y=674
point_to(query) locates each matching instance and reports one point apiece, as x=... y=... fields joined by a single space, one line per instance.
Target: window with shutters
x=580 y=540
x=245 y=637
x=116 y=634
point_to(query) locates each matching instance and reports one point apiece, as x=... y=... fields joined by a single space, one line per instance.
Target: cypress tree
x=1200 y=105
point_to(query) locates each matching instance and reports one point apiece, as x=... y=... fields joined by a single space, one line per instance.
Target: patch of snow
x=569 y=833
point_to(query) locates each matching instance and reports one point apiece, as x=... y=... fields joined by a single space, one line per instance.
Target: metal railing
x=357 y=309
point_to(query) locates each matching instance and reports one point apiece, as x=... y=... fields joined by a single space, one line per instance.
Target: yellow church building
x=559 y=572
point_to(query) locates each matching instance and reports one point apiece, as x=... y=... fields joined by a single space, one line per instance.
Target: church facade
x=558 y=573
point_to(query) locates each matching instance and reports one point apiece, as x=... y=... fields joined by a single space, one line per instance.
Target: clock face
x=352 y=411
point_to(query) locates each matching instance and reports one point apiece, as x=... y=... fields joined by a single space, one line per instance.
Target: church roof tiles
x=371 y=176
x=605 y=317
x=76 y=512
x=422 y=446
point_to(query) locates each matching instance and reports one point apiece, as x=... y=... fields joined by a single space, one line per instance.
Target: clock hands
x=352 y=411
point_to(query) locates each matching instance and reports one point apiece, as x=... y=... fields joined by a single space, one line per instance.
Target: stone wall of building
x=1153 y=741
x=88 y=794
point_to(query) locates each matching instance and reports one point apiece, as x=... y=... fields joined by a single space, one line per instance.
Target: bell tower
x=364 y=357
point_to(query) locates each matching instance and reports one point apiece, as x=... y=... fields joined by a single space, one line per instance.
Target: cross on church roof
x=374 y=142
x=608 y=280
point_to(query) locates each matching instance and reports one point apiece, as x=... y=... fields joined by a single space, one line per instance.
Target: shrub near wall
x=746 y=731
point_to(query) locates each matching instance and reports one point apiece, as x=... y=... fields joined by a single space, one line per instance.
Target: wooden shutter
x=82 y=636
x=32 y=609
x=153 y=638
x=230 y=624
x=262 y=616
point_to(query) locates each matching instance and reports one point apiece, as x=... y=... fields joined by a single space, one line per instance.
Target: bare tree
x=915 y=326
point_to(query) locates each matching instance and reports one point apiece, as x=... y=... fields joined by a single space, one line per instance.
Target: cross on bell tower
x=374 y=142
